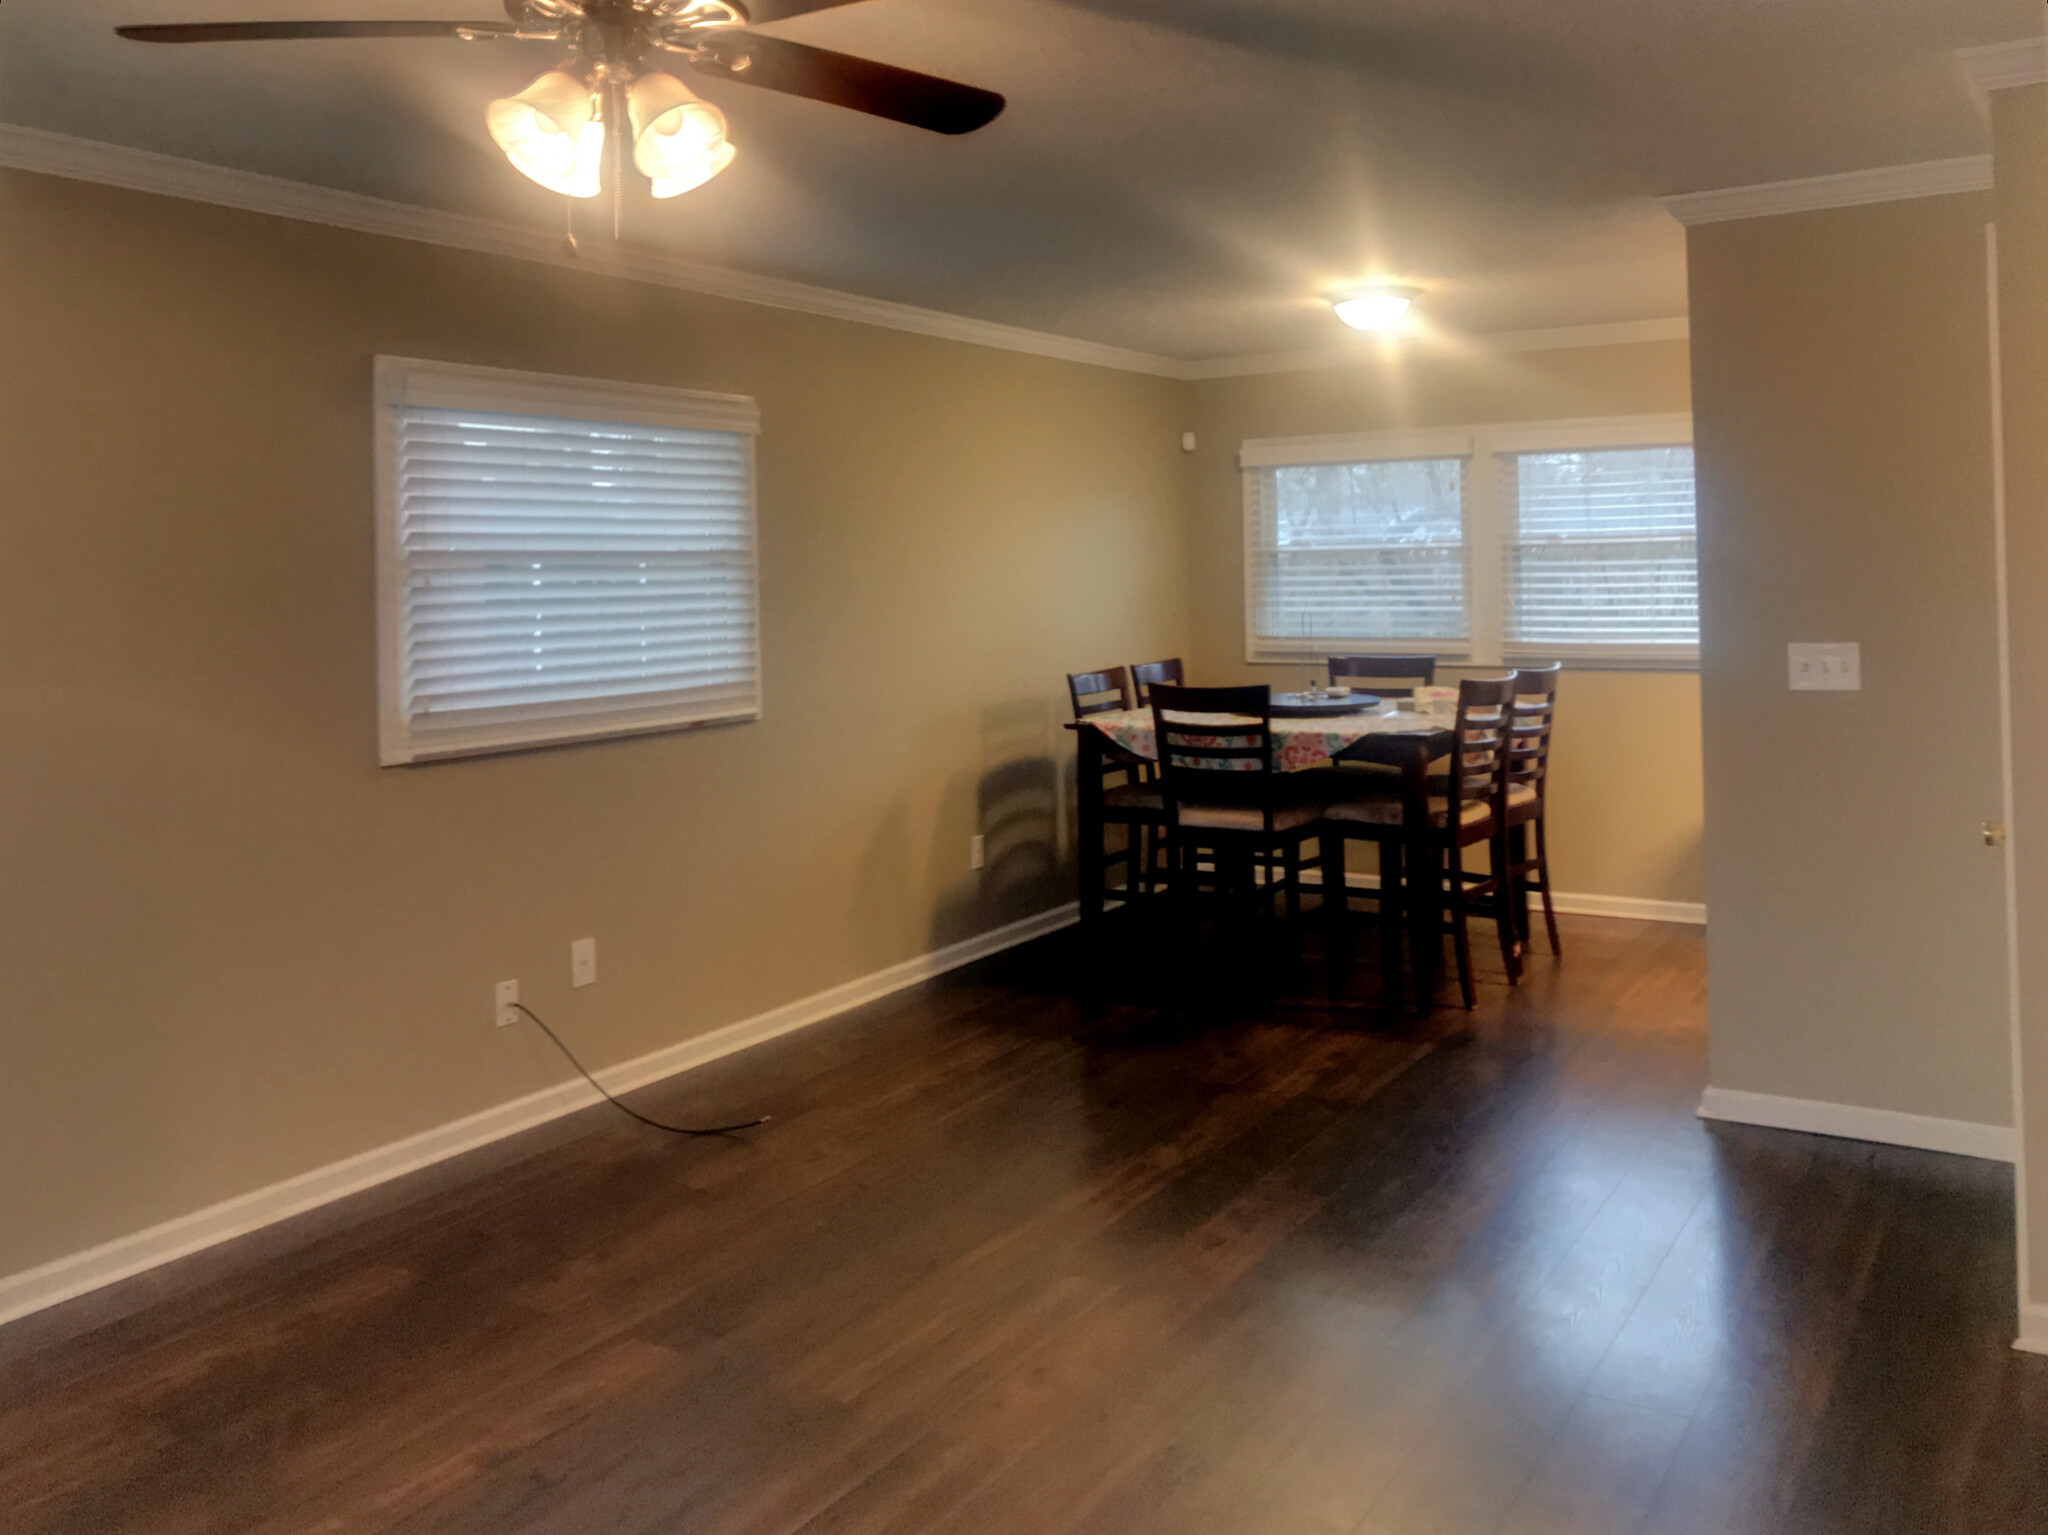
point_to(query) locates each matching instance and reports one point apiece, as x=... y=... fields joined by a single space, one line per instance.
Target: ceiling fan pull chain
x=568 y=226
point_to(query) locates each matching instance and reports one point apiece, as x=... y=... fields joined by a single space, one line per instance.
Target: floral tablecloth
x=1297 y=743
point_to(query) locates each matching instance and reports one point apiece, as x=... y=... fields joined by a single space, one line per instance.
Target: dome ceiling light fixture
x=611 y=91
x=1375 y=307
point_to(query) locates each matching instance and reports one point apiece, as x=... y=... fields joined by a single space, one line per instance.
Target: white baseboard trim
x=63 y=1278
x=1959 y=1137
x=2033 y=1338
x=1634 y=908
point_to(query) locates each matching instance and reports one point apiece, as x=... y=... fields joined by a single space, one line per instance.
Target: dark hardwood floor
x=1021 y=1254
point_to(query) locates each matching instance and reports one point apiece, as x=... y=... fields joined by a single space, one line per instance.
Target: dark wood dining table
x=1392 y=742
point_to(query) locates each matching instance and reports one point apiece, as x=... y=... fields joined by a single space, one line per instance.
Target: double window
x=559 y=559
x=1567 y=539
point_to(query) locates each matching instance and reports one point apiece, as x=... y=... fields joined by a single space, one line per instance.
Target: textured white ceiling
x=1185 y=177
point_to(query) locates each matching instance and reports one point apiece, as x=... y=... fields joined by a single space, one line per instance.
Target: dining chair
x=1528 y=778
x=1383 y=677
x=1467 y=813
x=1145 y=673
x=1226 y=796
x=1386 y=676
x=1100 y=692
x=1130 y=797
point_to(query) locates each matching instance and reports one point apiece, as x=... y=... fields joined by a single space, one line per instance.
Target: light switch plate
x=583 y=962
x=1829 y=668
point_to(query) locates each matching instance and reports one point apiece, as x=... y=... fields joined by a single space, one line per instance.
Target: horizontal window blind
x=1358 y=551
x=1601 y=548
x=559 y=578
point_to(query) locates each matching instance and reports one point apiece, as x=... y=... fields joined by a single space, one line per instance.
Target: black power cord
x=627 y=1108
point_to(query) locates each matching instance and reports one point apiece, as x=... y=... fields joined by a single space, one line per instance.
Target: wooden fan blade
x=761 y=12
x=293 y=31
x=880 y=90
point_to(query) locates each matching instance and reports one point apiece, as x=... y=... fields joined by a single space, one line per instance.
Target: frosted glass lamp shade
x=551 y=133
x=679 y=140
x=1374 y=308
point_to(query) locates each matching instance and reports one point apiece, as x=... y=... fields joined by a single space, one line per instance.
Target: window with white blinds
x=1373 y=548
x=1600 y=548
x=560 y=559
x=1558 y=539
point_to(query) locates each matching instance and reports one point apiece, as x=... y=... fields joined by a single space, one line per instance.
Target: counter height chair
x=1225 y=796
x=1383 y=676
x=1467 y=813
x=1130 y=796
x=1145 y=673
x=1390 y=677
x=1100 y=692
x=1528 y=779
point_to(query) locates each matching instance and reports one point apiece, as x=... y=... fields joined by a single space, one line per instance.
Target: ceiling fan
x=556 y=130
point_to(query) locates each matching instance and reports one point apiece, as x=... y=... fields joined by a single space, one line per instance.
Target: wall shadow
x=1022 y=808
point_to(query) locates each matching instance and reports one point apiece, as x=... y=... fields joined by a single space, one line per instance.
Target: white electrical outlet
x=1830 y=668
x=583 y=962
x=505 y=999
x=977 y=851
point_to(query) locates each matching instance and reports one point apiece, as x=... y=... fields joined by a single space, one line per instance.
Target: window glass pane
x=1362 y=551
x=1601 y=547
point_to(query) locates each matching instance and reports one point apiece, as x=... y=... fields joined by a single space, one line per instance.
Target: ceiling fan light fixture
x=679 y=140
x=1377 y=308
x=675 y=186
x=551 y=133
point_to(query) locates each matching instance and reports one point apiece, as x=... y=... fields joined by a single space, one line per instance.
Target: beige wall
x=1625 y=814
x=2020 y=134
x=1842 y=425
x=236 y=948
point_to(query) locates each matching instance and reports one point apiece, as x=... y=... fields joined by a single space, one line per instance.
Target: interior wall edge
x=77 y=1274
x=1854 y=1122
x=2033 y=1338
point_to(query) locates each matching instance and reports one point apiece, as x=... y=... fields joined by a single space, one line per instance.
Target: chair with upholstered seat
x=1143 y=675
x=1130 y=797
x=1226 y=796
x=1467 y=813
x=1391 y=677
x=1528 y=779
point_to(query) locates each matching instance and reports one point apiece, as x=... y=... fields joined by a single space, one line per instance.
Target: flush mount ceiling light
x=1380 y=307
x=606 y=93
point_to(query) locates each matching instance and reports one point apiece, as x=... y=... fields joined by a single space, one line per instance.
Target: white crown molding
x=1958 y=1137
x=57 y=154
x=78 y=1273
x=1554 y=338
x=1849 y=189
x=139 y=170
x=2004 y=66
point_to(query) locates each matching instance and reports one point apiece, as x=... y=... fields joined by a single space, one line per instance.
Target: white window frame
x=1485 y=531
x=412 y=381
